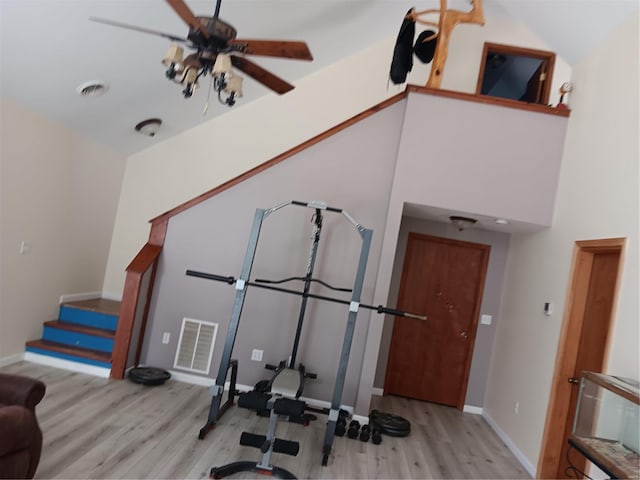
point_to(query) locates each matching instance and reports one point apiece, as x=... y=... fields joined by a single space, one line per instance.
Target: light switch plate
x=256 y=355
x=486 y=319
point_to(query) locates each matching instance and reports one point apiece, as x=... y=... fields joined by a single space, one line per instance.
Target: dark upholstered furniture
x=20 y=435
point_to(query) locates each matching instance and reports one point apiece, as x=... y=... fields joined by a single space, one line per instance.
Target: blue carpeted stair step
x=84 y=332
x=68 y=352
x=97 y=313
x=78 y=335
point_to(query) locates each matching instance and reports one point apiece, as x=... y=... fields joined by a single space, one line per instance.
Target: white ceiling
x=49 y=47
x=483 y=222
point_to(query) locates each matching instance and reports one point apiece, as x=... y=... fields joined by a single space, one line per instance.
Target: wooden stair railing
x=134 y=309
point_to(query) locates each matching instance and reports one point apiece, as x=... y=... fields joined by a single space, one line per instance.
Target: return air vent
x=195 y=346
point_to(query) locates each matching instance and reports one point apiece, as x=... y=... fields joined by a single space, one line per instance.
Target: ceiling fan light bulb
x=173 y=55
x=234 y=86
x=190 y=76
x=222 y=65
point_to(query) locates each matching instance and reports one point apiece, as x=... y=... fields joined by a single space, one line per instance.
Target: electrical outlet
x=485 y=320
x=166 y=336
x=256 y=355
x=516 y=407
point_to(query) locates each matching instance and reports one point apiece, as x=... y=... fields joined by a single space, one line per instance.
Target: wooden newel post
x=446 y=23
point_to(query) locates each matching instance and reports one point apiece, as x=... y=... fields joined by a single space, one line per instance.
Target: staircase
x=83 y=334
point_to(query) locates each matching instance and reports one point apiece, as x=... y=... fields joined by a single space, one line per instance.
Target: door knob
x=464 y=334
x=573 y=380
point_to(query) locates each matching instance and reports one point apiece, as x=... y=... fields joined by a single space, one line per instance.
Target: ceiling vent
x=92 y=89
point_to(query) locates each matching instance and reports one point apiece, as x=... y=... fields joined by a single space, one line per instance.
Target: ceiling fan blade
x=258 y=73
x=138 y=29
x=274 y=48
x=187 y=16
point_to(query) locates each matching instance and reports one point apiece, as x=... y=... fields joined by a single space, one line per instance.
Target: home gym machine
x=284 y=389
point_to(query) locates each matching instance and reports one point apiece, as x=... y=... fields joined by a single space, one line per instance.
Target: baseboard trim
x=76 y=297
x=11 y=359
x=66 y=364
x=207 y=382
x=116 y=297
x=203 y=381
x=472 y=409
x=528 y=466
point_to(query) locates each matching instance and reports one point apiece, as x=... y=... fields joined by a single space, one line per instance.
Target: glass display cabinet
x=606 y=428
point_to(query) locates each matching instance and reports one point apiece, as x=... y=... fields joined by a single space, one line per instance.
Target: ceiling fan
x=216 y=50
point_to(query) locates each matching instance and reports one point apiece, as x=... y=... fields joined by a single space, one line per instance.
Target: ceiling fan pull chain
x=206 y=105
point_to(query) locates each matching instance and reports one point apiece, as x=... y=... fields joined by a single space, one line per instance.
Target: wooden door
x=444 y=280
x=583 y=346
x=535 y=85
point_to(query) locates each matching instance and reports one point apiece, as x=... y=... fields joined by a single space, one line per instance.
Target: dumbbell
x=354 y=428
x=341 y=426
x=365 y=433
x=376 y=436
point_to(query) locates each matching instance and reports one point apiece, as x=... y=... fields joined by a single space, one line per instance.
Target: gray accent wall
x=499 y=243
x=352 y=170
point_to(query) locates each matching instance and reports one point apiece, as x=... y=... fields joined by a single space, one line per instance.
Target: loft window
x=516 y=73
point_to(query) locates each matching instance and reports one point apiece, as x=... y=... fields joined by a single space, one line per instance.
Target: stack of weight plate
x=389 y=424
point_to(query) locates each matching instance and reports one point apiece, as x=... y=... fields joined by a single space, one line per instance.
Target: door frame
x=568 y=344
x=486 y=252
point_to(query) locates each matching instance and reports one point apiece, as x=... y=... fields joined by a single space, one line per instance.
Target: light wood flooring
x=96 y=428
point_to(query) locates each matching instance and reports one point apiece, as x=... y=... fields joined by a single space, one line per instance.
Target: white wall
x=196 y=161
x=58 y=193
x=597 y=198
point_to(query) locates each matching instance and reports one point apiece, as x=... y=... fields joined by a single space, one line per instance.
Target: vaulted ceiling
x=49 y=47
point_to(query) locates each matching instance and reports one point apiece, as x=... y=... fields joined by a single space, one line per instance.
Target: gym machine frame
x=241 y=284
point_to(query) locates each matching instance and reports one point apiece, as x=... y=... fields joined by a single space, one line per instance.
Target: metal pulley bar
x=378 y=309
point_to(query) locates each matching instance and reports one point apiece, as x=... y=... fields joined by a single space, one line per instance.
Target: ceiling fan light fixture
x=234 y=86
x=190 y=76
x=190 y=81
x=462 y=223
x=149 y=127
x=174 y=55
x=222 y=65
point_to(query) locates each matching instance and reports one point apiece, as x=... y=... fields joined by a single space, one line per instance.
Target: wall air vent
x=195 y=346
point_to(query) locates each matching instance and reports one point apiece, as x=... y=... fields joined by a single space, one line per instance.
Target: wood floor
x=95 y=428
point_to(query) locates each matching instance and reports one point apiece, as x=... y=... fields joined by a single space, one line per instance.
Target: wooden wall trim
x=158 y=232
x=276 y=160
x=501 y=102
x=147 y=306
x=164 y=217
x=145 y=259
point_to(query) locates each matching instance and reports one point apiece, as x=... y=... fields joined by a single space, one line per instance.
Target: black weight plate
x=390 y=424
x=148 y=375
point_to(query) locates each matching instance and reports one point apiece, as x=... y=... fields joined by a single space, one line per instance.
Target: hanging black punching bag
x=403 y=51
